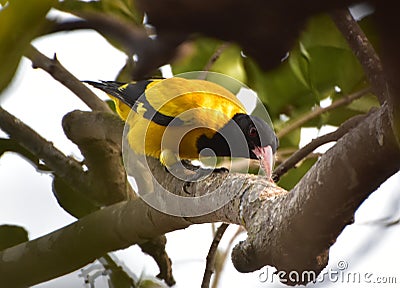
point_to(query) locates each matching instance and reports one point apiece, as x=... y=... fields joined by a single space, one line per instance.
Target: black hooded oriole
x=184 y=117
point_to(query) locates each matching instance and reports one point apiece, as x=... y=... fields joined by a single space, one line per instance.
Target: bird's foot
x=187 y=172
x=221 y=170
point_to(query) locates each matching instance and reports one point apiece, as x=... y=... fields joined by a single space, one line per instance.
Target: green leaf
x=196 y=55
x=230 y=63
x=118 y=277
x=124 y=9
x=150 y=283
x=299 y=60
x=364 y=104
x=20 y=22
x=320 y=30
x=331 y=66
x=279 y=89
x=292 y=139
x=321 y=61
x=290 y=179
x=359 y=106
x=11 y=235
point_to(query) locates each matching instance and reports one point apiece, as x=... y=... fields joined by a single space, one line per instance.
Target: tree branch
x=210 y=263
x=99 y=139
x=370 y=60
x=151 y=52
x=327 y=196
x=364 y=52
x=319 y=111
x=99 y=136
x=278 y=234
x=64 y=166
x=224 y=255
x=88 y=191
x=62 y=75
x=10 y=145
x=114 y=227
x=156 y=249
x=386 y=15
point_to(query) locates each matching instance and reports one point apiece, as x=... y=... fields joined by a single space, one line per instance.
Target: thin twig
x=384 y=222
x=318 y=111
x=224 y=255
x=10 y=145
x=210 y=263
x=134 y=40
x=303 y=152
x=363 y=50
x=58 y=72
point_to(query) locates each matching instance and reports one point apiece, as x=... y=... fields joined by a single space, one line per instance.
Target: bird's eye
x=253 y=131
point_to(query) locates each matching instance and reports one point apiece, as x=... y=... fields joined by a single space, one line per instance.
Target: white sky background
x=27 y=200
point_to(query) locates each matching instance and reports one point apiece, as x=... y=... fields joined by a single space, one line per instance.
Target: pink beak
x=266 y=157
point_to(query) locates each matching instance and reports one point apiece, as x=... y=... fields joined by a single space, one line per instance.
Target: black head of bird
x=244 y=136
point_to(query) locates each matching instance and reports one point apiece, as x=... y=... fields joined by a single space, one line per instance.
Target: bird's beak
x=266 y=157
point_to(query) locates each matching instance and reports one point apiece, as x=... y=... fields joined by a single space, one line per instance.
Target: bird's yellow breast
x=149 y=138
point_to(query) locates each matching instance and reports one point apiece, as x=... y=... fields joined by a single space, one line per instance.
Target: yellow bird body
x=181 y=117
x=204 y=108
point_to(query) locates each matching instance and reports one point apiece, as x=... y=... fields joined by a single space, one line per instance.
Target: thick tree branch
x=99 y=140
x=278 y=234
x=308 y=220
x=99 y=136
x=386 y=15
x=114 y=227
x=88 y=191
x=58 y=72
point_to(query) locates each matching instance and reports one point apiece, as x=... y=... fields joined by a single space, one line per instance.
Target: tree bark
x=291 y=231
x=299 y=231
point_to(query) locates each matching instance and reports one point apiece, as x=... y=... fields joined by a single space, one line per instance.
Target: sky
x=27 y=200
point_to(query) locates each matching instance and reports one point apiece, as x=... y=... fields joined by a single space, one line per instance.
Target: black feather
x=134 y=94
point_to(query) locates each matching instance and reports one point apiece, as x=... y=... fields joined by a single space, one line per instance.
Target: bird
x=176 y=119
